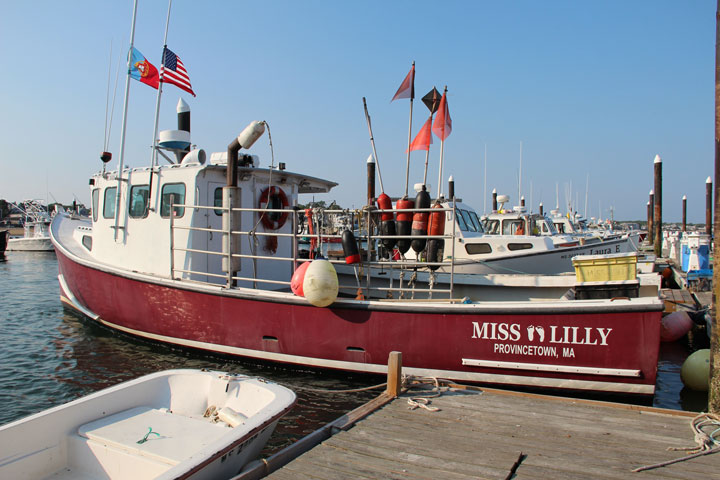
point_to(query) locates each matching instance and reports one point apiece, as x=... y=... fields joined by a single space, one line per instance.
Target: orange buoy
x=296 y=282
x=436 y=226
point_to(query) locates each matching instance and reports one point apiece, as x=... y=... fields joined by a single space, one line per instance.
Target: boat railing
x=378 y=265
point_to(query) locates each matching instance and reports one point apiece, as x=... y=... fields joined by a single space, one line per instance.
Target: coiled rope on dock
x=706 y=443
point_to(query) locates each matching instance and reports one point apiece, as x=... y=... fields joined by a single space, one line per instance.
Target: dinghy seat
x=173 y=437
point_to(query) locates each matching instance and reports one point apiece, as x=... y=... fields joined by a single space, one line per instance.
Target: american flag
x=173 y=71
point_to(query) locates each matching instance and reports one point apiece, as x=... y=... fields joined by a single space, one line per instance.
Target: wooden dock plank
x=481 y=435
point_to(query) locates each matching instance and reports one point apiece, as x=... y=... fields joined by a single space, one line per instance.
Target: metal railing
x=376 y=262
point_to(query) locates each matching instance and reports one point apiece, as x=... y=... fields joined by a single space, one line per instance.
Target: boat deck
x=483 y=435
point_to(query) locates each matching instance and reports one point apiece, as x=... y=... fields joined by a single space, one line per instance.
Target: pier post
x=708 y=206
x=714 y=381
x=684 y=214
x=370 y=180
x=494 y=201
x=394 y=374
x=650 y=227
x=657 y=217
x=541 y=209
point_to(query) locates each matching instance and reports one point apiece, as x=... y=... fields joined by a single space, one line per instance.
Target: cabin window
x=177 y=192
x=468 y=220
x=218 y=201
x=519 y=246
x=476 y=221
x=461 y=222
x=95 y=203
x=87 y=242
x=560 y=227
x=139 y=201
x=109 y=202
x=544 y=228
x=478 y=248
x=511 y=227
x=492 y=227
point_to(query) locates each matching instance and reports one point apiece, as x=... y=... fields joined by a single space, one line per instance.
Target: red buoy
x=296 y=282
x=387 y=221
x=420 y=220
x=404 y=223
x=350 y=248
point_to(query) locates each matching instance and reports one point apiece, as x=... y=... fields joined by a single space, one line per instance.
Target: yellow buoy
x=695 y=371
x=320 y=285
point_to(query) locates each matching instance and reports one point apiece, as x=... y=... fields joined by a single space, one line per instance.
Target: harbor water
x=51 y=355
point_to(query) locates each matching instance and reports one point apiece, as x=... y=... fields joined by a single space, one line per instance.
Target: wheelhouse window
x=492 y=226
x=478 y=248
x=139 y=201
x=218 y=201
x=469 y=221
x=109 y=202
x=511 y=227
x=95 y=204
x=173 y=193
x=461 y=221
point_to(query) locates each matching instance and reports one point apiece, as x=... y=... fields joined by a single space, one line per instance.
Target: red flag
x=142 y=70
x=407 y=87
x=423 y=139
x=443 y=124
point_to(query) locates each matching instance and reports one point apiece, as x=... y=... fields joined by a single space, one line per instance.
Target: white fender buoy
x=695 y=371
x=674 y=326
x=296 y=282
x=321 y=283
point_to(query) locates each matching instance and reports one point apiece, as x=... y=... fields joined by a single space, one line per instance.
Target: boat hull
x=582 y=345
x=43 y=244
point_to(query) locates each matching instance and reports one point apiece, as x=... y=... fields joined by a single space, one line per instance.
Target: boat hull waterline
x=581 y=345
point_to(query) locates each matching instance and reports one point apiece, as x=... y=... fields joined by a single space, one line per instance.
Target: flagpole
x=442 y=149
x=407 y=164
x=153 y=157
x=427 y=154
x=485 y=183
x=124 y=122
x=153 y=153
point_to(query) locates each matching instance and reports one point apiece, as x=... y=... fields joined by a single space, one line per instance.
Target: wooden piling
x=494 y=201
x=651 y=229
x=657 y=217
x=684 y=214
x=394 y=374
x=714 y=387
x=541 y=208
x=708 y=206
x=370 y=181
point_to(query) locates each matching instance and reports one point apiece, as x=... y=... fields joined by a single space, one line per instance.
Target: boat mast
x=153 y=157
x=153 y=153
x=124 y=124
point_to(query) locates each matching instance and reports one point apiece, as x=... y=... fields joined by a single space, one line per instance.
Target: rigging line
x=112 y=108
x=107 y=99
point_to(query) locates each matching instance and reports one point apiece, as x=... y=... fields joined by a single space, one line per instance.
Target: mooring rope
x=706 y=443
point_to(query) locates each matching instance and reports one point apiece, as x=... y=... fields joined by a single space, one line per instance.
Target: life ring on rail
x=274 y=198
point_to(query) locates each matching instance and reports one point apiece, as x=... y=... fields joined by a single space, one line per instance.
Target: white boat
x=36 y=236
x=173 y=424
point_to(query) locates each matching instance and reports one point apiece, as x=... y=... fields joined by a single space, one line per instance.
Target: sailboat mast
x=124 y=124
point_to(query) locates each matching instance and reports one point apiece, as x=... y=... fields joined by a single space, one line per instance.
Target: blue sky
x=590 y=89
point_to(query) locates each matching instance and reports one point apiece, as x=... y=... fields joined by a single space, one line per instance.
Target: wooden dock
x=482 y=434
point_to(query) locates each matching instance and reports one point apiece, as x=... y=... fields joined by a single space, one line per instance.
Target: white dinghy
x=173 y=424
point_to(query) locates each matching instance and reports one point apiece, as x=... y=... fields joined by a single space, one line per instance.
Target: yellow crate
x=605 y=268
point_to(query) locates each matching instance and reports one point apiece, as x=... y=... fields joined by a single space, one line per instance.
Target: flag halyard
x=173 y=72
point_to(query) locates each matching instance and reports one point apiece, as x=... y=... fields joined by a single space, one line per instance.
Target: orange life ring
x=274 y=198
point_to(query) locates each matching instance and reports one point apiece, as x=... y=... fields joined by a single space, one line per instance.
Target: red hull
x=505 y=346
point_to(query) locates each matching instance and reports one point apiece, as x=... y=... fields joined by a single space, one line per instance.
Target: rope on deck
x=706 y=443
